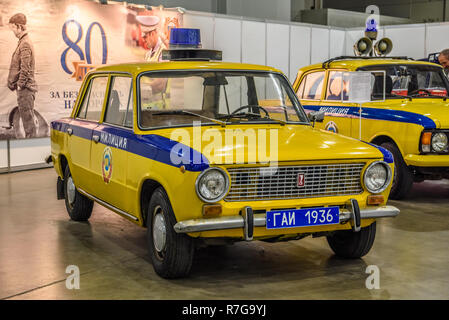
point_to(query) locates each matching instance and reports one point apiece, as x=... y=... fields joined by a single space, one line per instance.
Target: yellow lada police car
x=201 y=152
x=410 y=117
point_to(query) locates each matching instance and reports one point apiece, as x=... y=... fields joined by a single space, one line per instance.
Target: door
x=339 y=113
x=110 y=146
x=310 y=90
x=81 y=129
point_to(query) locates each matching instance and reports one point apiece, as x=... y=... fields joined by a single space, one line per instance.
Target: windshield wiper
x=241 y=115
x=182 y=112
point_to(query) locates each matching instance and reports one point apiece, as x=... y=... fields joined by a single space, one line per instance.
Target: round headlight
x=212 y=185
x=377 y=177
x=439 y=142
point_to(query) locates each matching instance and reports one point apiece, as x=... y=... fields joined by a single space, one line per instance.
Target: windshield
x=408 y=80
x=179 y=98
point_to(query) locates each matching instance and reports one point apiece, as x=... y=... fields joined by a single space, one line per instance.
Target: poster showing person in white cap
x=150 y=34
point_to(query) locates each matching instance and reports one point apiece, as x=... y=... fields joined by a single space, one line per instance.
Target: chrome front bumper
x=248 y=221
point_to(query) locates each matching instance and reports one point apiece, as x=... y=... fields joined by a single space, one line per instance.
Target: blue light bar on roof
x=371 y=25
x=185 y=38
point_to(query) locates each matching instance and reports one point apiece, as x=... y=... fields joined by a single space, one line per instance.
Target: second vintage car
x=201 y=152
x=408 y=114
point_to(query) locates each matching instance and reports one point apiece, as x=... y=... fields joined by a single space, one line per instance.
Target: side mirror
x=316 y=116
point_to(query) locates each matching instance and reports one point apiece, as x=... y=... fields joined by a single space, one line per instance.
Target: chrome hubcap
x=71 y=190
x=159 y=232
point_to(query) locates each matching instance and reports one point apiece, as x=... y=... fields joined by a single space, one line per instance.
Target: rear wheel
x=78 y=206
x=171 y=253
x=350 y=244
x=403 y=178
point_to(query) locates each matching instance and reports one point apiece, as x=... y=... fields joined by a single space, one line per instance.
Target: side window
x=300 y=92
x=337 y=88
x=313 y=86
x=93 y=99
x=120 y=105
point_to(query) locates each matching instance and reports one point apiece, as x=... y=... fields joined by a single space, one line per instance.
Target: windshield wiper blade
x=181 y=112
x=241 y=115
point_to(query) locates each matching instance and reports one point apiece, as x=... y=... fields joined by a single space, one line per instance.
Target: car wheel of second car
x=403 y=178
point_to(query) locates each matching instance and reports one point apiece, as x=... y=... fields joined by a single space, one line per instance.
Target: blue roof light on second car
x=371 y=25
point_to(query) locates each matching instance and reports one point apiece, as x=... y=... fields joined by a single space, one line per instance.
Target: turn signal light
x=211 y=210
x=375 y=200
x=426 y=140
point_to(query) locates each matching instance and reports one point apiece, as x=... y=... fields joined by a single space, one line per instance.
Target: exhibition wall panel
x=336 y=43
x=3 y=155
x=253 y=42
x=436 y=37
x=278 y=47
x=203 y=22
x=300 y=46
x=407 y=40
x=228 y=38
x=320 y=45
x=29 y=152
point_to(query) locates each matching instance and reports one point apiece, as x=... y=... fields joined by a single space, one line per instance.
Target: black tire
x=174 y=258
x=79 y=208
x=403 y=178
x=352 y=245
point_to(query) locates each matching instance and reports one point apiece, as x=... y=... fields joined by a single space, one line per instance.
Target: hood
x=265 y=143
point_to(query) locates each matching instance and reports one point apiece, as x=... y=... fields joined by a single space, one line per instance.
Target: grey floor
x=38 y=242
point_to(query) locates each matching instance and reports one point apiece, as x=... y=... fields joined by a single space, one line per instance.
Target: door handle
x=96 y=138
x=70 y=131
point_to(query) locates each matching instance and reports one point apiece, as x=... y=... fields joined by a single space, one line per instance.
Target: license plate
x=278 y=219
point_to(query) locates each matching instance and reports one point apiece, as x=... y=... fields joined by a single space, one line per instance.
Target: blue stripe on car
x=379 y=114
x=388 y=156
x=150 y=146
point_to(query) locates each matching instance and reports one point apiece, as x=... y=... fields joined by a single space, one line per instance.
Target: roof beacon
x=365 y=46
x=185 y=45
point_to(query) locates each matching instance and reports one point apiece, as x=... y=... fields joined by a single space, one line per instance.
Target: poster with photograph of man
x=50 y=46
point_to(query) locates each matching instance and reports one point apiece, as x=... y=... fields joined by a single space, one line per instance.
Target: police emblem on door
x=106 y=164
x=301 y=180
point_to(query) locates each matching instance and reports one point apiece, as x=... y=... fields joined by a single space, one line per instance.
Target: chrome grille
x=274 y=183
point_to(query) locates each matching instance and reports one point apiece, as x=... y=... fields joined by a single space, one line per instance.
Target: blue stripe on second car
x=380 y=114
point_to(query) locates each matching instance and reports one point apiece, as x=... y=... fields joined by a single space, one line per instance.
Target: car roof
x=354 y=64
x=137 y=68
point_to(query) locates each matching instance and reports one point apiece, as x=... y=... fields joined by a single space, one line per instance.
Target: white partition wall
x=253 y=42
x=300 y=46
x=337 y=43
x=320 y=45
x=204 y=22
x=436 y=37
x=3 y=156
x=278 y=47
x=29 y=152
x=228 y=38
x=408 y=40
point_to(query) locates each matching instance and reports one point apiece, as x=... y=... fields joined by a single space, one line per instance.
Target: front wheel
x=78 y=206
x=171 y=252
x=403 y=178
x=350 y=244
